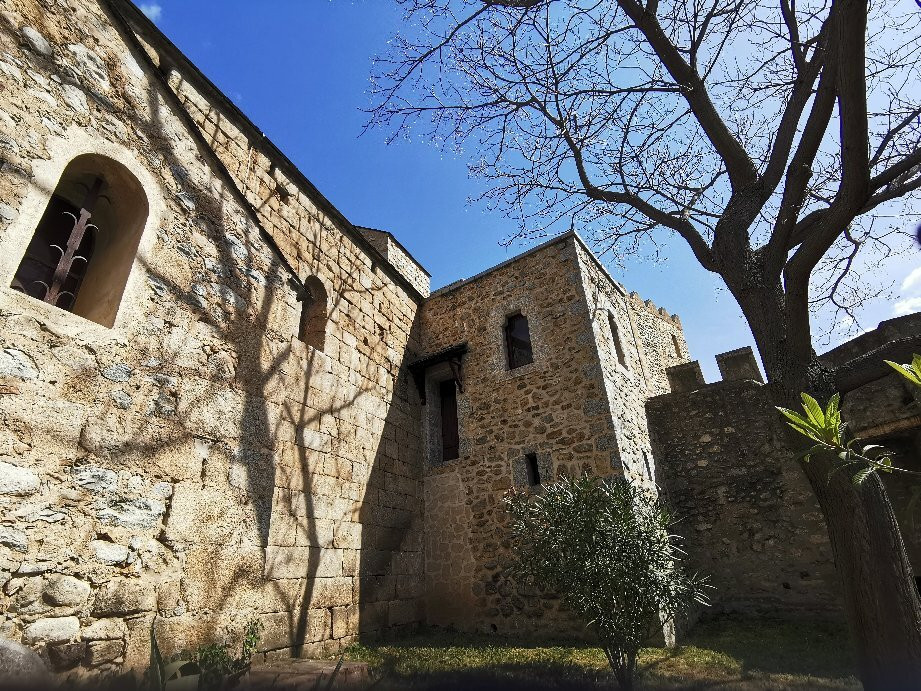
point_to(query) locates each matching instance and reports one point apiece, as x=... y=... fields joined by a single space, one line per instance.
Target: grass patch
x=729 y=652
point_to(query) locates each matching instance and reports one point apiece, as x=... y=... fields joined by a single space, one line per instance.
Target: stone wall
x=745 y=509
x=195 y=465
x=399 y=258
x=647 y=347
x=575 y=407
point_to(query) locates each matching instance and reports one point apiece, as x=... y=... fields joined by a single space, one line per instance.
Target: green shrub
x=603 y=546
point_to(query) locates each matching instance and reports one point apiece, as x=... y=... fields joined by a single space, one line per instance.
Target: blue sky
x=300 y=71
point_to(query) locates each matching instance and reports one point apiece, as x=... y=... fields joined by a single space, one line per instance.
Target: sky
x=300 y=71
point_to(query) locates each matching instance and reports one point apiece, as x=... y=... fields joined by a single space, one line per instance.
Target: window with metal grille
x=84 y=245
x=450 y=438
x=56 y=260
x=615 y=337
x=530 y=464
x=314 y=313
x=518 y=341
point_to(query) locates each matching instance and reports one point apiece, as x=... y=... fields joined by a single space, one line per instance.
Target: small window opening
x=615 y=337
x=85 y=243
x=530 y=463
x=647 y=464
x=56 y=260
x=677 y=345
x=518 y=341
x=450 y=439
x=314 y=316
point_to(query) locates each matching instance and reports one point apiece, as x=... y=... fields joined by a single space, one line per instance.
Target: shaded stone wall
x=195 y=465
x=882 y=407
x=647 y=348
x=745 y=509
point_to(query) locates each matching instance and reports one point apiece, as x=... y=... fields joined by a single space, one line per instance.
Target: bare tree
x=776 y=137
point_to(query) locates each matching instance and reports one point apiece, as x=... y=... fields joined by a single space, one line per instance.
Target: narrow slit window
x=615 y=337
x=530 y=463
x=518 y=341
x=450 y=439
x=677 y=345
x=648 y=465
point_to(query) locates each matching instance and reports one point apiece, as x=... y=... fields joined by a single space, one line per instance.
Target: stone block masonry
x=195 y=465
x=748 y=517
x=577 y=408
x=228 y=422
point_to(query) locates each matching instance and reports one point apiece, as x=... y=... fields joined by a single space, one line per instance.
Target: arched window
x=615 y=337
x=84 y=244
x=518 y=341
x=312 y=327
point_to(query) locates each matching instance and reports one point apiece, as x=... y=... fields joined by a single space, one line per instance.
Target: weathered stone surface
x=75 y=98
x=17 y=364
x=109 y=552
x=52 y=630
x=122 y=596
x=21 y=665
x=66 y=591
x=66 y=656
x=140 y=513
x=102 y=652
x=95 y=479
x=118 y=372
x=18 y=481
x=36 y=41
x=105 y=630
x=14 y=539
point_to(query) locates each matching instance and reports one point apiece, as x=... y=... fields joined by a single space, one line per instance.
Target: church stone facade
x=222 y=401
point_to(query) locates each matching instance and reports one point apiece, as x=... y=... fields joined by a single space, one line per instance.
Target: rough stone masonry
x=245 y=407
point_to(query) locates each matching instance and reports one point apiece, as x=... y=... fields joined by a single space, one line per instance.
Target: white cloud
x=906 y=306
x=912 y=280
x=153 y=10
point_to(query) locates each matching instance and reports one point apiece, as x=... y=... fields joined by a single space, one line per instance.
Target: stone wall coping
x=887 y=331
x=140 y=23
x=396 y=242
x=559 y=239
x=668 y=399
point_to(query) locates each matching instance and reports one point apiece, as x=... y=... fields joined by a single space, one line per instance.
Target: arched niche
x=114 y=207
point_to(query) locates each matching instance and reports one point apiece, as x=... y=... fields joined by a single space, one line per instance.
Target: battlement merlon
x=734 y=365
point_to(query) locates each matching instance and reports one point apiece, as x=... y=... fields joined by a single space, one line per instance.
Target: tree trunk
x=881 y=598
x=880 y=595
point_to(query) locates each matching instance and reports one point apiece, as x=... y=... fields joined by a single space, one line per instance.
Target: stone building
x=220 y=400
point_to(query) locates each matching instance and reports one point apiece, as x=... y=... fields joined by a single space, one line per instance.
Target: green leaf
x=806 y=431
x=813 y=410
x=795 y=417
x=911 y=372
x=860 y=477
